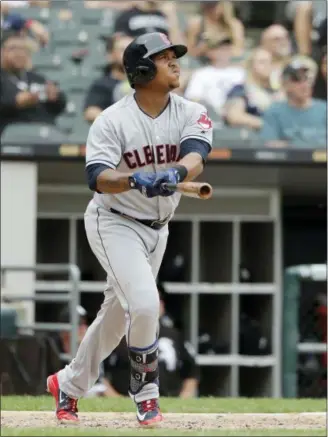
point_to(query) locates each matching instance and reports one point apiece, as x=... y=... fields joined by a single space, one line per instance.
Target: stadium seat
x=34 y=13
x=46 y=61
x=72 y=37
x=80 y=131
x=23 y=134
x=8 y=318
x=234 y=137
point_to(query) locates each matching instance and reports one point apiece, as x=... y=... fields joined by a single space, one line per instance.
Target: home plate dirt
x=36 y=419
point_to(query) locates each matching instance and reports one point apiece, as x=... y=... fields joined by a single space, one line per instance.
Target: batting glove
x=144 y=182
x=170 y=176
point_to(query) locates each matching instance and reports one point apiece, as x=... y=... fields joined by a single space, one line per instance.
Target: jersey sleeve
x=103 y=145
x=198 y=125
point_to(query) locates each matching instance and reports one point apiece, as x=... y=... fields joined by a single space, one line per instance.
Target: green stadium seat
x=23 y=134
x=8 y=318
x=72 y=37
x=80 y=130
x=235 y=137
x=76 y=84
x=34 y=13
x=46 y=61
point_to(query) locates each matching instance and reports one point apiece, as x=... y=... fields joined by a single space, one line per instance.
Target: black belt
x=154 y=224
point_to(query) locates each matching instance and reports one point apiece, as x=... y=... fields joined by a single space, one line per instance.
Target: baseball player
x=134 y=147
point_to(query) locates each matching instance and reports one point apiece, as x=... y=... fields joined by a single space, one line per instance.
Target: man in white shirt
x=212 y=83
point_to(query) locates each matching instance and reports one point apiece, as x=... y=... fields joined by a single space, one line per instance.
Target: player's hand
x=170 y=176
x=144 y=182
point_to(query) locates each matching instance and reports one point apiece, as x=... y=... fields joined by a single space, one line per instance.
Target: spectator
x=26 y=3
x=150 y=16
x=177 y=367
x=309 y=16
x=25 y=96
x=16 y=23
x=247 y=102
x=212 y=83
x=113 y=85
x=117 y=5
x=300 y=120
x=217 y=21
x=275 y=39
x=320 y=87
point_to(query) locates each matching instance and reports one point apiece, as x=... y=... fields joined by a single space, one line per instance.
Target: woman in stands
x=217 y=21
x=247 y=102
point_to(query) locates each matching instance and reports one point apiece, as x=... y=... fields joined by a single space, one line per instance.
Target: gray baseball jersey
x=125 y=138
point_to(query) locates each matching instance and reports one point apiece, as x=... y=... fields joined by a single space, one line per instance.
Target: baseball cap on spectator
x=295 y=70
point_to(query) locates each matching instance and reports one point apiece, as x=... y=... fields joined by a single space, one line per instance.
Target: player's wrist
x=182 y=172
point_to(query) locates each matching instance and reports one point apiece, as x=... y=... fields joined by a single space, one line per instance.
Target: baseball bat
x=199 y=190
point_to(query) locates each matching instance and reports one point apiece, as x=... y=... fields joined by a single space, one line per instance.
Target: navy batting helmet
x=137 y=61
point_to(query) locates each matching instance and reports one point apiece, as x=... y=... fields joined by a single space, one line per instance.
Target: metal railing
x=72 y=297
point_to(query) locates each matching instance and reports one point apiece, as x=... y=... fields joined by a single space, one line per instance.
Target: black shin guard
x=144 y=368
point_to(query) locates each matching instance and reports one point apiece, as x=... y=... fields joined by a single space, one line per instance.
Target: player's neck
x=151 y=103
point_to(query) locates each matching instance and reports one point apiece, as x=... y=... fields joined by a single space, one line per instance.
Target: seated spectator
x=178 y=371
x=26 y=3
x=110 y=88
x=216 y=21
x=320 y=87
x=211 y=84
x=309 y=16
x=25 y=95
x=150 y=16
x=16 y=23
x=300 y=120
x=117 y=5
x=247 y=102
x=275 y=39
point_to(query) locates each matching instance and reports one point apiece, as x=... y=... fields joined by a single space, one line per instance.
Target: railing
x=72 y=297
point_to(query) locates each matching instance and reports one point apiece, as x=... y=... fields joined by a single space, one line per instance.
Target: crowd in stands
x=272 y=84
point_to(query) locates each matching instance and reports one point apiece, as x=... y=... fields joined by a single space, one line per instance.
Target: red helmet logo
x=204 y=121
x=165 y=39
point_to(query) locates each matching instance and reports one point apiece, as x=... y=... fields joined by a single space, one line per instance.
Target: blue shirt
x=300 y=127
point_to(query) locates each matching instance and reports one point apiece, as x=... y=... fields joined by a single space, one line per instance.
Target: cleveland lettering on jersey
x=159 y=154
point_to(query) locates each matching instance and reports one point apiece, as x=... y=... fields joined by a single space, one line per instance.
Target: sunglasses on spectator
x=299 y=76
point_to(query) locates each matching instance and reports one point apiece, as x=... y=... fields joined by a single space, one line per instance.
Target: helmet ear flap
x=144 y=72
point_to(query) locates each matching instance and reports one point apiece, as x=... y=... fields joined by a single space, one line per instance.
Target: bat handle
x=168 y=186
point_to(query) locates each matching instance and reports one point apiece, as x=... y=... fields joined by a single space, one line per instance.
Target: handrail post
x=74 y=274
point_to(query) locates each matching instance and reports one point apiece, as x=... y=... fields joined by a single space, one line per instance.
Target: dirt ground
x=35 y=419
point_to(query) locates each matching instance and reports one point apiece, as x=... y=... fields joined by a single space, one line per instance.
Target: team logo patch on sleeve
x=204 y=121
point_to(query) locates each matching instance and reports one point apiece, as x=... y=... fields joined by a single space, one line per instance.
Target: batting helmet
x=137 y=61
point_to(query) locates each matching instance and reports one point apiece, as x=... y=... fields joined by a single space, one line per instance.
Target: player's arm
x=107 y=180
x=193 y=156
x=103 y=155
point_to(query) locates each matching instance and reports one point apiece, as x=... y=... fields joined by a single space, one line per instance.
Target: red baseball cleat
x=148 y=413
x=66 y=407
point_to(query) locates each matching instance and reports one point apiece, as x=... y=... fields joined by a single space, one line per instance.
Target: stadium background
x=226 y=259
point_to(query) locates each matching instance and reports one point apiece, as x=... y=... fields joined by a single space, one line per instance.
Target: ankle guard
x=144 y=368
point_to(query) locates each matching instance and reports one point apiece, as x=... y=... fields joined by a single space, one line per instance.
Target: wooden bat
x=199 y=190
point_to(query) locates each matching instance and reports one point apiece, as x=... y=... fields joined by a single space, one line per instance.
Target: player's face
x=168 y=70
